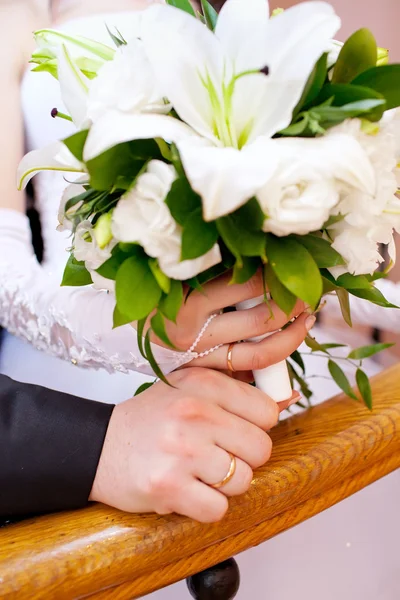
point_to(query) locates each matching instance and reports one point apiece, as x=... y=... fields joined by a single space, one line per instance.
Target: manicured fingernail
x=310 y=322
x=309 y=310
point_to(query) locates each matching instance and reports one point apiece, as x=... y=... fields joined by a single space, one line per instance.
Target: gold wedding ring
x=229 y=475
x=229 y=357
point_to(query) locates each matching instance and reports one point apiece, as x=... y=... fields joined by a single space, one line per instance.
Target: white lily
x=74 y=87
x=235 y=87
x=55 y=157
x=53 y=39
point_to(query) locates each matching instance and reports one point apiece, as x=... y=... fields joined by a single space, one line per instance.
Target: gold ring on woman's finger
x=228 y=476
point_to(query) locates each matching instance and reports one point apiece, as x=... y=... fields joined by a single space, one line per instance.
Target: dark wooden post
x=217 y=583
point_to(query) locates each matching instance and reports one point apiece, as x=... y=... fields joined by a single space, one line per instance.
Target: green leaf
x=340 y=379
x=124 y=161
x=314 y=84
x=158 y=327
x=351 y=282
x=364 y=387
x=279 y=293
x=329 y=116
x=171 y=303
x=295 y=268
x=153 y=363
x=143 y=388
x=297 y=358
x=183 y=5
x=198 y=237
x=343 y=93
x=321 y=250
x=367 y=351
x=137 y=290
x=385 y=80
x=250 y=215
x=140 y=330
x=182 y=201
x=109 y=269
x=75 y=273
x=358 y=54
x=117 y=39
x=332 y=346
x=76 y=142
x=210 y=14
x=333 y=219
x=297 y=128
x=373 y=295
x=314 y=345
x=305 y=390
x=241 y=241
x=245 y=271
x=119 y=319
x=344 y=302
x=162 y=279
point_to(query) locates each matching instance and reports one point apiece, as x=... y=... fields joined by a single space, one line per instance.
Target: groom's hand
x=166 y=448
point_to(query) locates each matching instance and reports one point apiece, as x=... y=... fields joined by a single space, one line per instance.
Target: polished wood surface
x=320 y=457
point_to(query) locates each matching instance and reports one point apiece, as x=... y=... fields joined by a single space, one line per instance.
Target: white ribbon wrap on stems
x=274 y=380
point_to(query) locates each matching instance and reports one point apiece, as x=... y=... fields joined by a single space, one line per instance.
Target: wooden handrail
x=320 y=457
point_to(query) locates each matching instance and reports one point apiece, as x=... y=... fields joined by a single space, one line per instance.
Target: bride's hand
x=231 y=327
x=165 y=448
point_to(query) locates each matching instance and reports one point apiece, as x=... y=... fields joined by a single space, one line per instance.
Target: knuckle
x=256 y=321
x=259 y=359
x=162 y=484
x=253 y=285
x=175 y=442
x=198 y=377
x=189 y=409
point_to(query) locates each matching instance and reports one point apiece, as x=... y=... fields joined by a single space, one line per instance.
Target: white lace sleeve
x=366 y=313
x=72 y=323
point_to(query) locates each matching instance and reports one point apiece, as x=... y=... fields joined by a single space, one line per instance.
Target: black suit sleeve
x=50 y=445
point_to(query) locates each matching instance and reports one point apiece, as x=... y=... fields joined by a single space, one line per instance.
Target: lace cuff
x=72 y=323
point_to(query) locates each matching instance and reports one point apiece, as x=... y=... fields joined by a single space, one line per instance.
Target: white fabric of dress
x=62 y=338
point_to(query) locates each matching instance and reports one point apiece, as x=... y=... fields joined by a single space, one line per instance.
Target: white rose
x=369 y=215
x=142 y=216
x=126 y=83
x=86 y=249
x=306 y=186
x=391 y=123
x=359 y=248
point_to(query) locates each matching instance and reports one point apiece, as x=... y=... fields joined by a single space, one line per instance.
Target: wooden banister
x=320 y=457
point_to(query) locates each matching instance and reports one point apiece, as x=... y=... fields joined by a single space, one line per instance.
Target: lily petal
x=54 y=39
x=74 y=87
x=116 y=128
x=183 y=52
x=226 y=178
x=55 y=157
x=295 y=41
x=242 y=31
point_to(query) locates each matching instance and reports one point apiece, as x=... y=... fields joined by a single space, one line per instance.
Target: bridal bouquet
x=211 y=143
